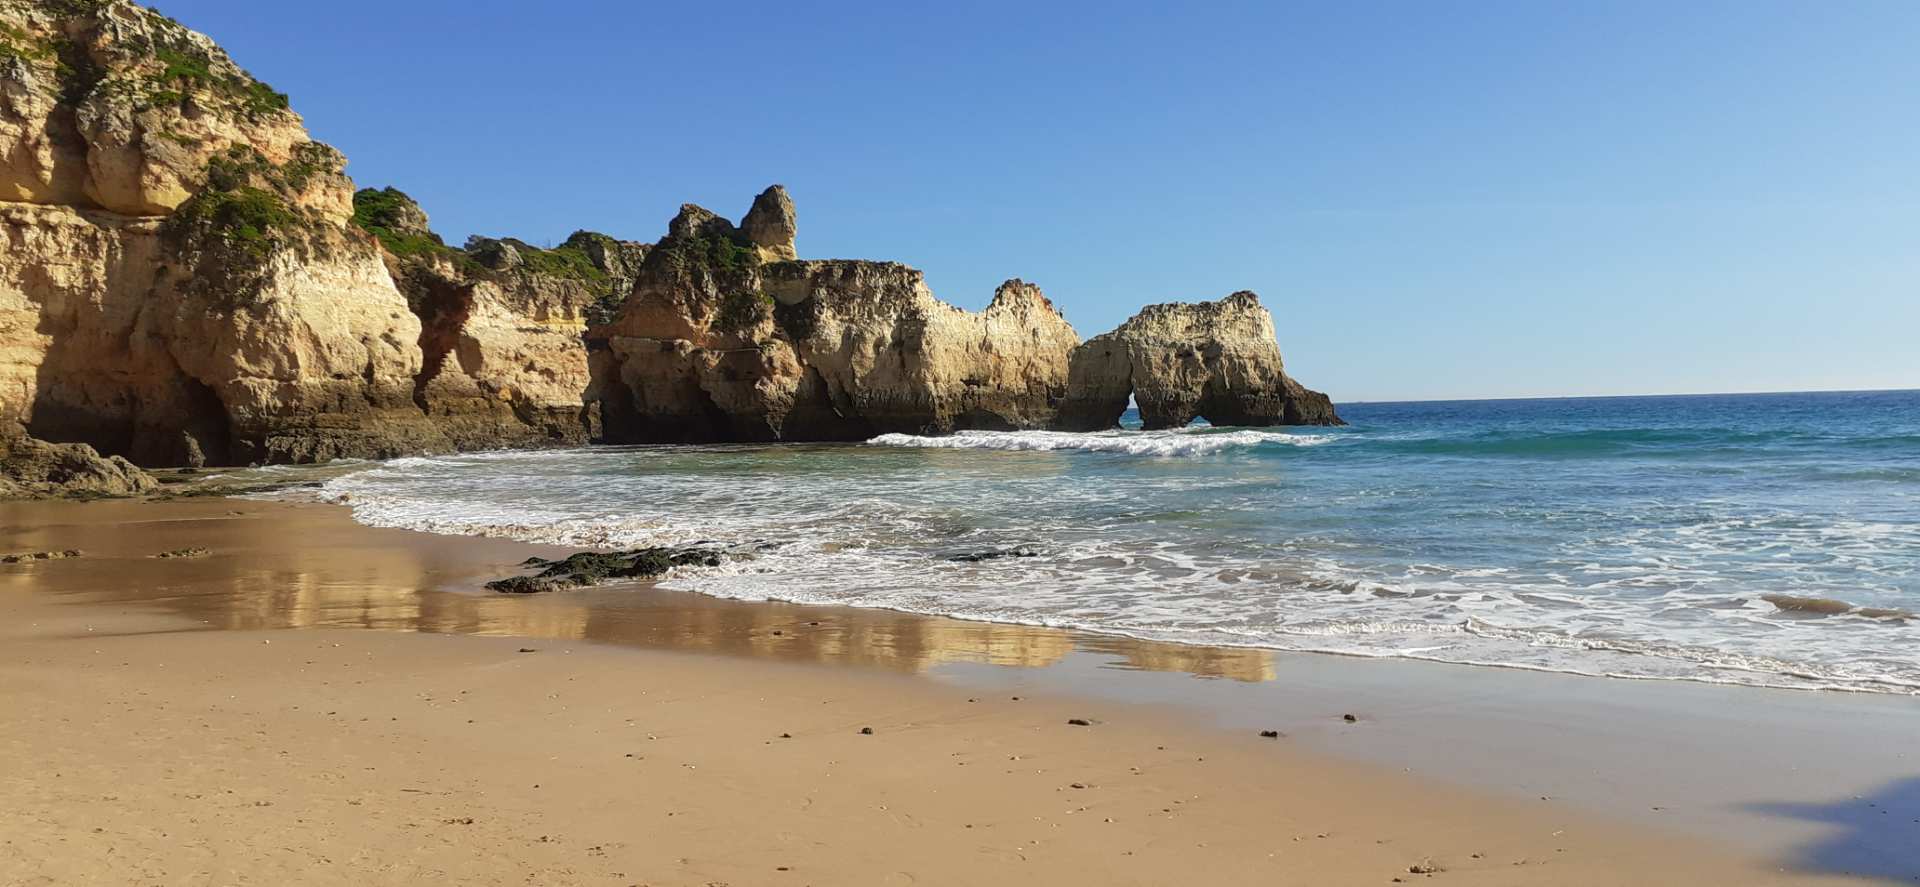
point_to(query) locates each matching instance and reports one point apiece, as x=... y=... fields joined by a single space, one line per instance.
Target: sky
x=1436 y=200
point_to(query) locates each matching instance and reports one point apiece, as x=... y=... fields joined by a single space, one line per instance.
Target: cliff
x=501 y=324
x=1217 y=361
x=728 y=337
x=187 y=278
x=178 y=284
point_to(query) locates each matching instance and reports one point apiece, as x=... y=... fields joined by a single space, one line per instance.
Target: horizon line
x=1624 y=396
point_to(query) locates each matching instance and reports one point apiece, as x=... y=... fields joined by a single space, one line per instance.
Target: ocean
x=1767 y=539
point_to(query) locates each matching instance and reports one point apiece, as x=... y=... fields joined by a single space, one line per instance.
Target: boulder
x=35 y=469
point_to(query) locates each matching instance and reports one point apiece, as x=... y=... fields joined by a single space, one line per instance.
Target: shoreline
x=1416 y=719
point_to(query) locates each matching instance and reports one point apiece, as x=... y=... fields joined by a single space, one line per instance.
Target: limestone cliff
x=178 y=284
x=501 y=324
x=187 y=278
x=726 y=337
x=1217 y=361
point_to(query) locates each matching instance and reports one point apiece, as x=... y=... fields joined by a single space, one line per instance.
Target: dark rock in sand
x=39 y=556
x=528 y=585
x=1079 y=722
x=183 y=553
x=1350 y=719
x=596 y=567
x=1270 y=734
x=866 y=731
x=974 y=557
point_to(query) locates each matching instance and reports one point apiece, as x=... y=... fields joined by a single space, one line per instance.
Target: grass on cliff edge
x=186 y=68
x=378 y=210
x=566 y=260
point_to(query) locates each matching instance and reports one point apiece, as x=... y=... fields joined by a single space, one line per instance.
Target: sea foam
x=1182 y=442
x=1523 y=535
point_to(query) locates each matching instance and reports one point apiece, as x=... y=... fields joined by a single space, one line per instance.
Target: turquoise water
x=1760 y=539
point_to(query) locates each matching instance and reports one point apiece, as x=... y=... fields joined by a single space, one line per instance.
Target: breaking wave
x=1777 y=544
x=1181 y=442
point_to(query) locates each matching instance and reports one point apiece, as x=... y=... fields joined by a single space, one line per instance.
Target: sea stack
x=1217 y=361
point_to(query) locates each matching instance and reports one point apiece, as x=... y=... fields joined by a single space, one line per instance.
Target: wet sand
x=158 y=724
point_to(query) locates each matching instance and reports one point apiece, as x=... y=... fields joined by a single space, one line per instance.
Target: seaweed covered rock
x=1217 y=361
x=598 y=567
x=722 y=342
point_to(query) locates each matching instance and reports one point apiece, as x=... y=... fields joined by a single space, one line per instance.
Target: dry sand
x=136 y=746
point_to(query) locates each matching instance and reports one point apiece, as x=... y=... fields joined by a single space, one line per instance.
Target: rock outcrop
x=501 y=324
x=723 y=340
x=33 y=469
x=1217 y=361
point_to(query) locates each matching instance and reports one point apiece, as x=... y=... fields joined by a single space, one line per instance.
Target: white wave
x=1199 y=551
x=1197 y=442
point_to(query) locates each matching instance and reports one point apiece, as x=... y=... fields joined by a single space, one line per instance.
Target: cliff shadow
x=1874 y=835
x=103 y=383
x=443 y=307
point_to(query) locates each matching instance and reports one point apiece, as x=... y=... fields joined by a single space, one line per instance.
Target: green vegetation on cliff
x=741 y=311
x=568 y=260
x=387 y=213
x=713 y=250
x=18 y=44
x=251 y=221
x=187 y=69
x=247 y=212
x=244 y=206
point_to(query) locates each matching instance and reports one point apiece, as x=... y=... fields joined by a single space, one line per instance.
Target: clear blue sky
x=1436 y=199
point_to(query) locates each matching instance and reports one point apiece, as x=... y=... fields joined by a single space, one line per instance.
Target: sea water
x=1758 y=539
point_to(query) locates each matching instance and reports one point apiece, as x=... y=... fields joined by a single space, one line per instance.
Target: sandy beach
x=163 y=726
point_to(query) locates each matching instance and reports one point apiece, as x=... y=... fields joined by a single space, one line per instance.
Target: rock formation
x=178 y=284
x=187 y=278
x=1216 y=361
x=724 y=340
x=31 y=469
x=501 y=321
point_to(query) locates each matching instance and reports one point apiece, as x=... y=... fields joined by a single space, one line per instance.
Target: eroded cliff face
x=501 y=323
x=187 y=278
x=109 y=105
x=726 y=337
x=1217 y=361
x=178 y=284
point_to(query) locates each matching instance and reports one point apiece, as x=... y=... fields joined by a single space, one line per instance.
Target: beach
x=219 y=719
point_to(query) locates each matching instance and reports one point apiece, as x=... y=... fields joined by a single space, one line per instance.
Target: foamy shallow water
x=1647 y=538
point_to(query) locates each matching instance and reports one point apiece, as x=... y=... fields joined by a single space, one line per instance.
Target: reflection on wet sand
x=279 y=565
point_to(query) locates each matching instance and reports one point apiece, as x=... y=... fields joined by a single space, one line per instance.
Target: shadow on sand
x=1874 y=836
